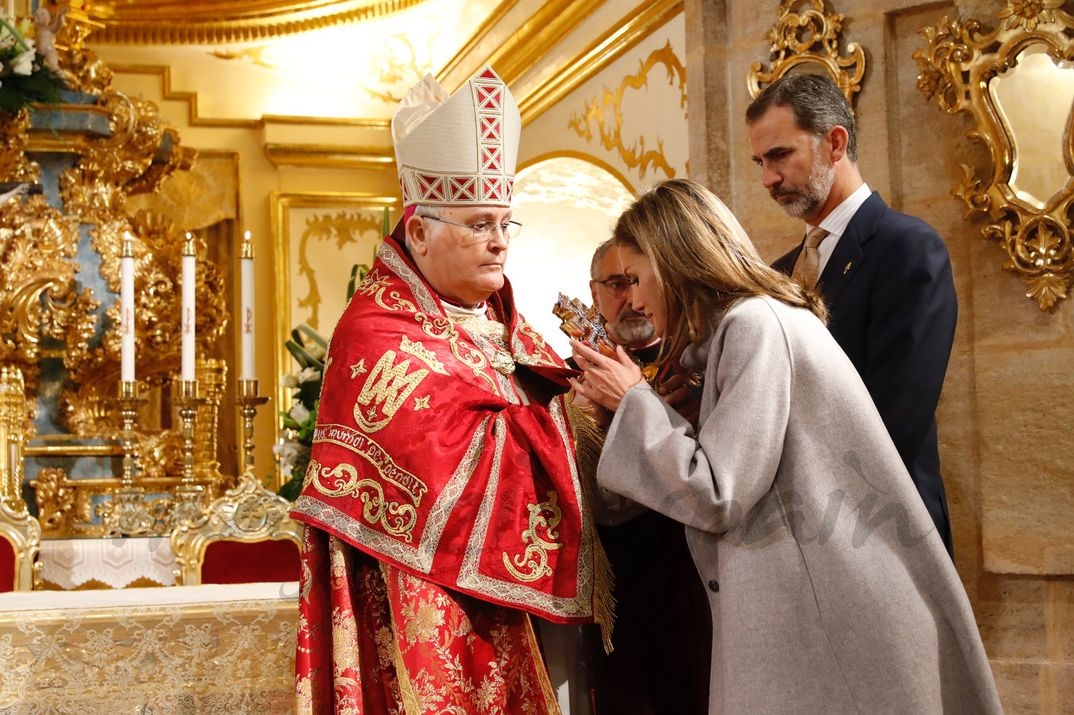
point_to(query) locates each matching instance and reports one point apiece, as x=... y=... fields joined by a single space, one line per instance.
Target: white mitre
x=460 y=149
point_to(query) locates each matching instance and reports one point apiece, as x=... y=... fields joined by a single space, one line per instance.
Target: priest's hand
x=604 y=379
x=602 y=418
x=683 y=393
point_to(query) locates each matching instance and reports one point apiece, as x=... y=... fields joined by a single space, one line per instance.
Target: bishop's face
x=464 y=268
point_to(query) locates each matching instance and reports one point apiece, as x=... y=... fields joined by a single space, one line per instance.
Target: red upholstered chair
x=20 y=544
x=244 y=536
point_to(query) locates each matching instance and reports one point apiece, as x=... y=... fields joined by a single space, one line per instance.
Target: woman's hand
x=604 y=380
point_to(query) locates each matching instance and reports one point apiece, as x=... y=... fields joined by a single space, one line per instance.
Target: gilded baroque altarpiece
x=92 y=166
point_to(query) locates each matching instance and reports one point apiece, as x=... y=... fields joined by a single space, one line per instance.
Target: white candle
x=189 y=312
x=246 y=278
x=126 y=311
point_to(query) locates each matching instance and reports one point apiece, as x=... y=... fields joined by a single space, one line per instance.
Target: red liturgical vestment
x=442 y=503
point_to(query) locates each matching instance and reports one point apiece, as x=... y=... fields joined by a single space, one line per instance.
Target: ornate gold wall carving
x=212 y=384
x=14 y=139
x=613 y=44
x=14 y=429
x=60 y=284
x=807 y=34
x=343 y=229
x=199 y=21
x=40 y=298
x=610 y=103
x=962 y=58
x=157 y=246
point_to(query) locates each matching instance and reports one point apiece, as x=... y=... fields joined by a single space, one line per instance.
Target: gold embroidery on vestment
x=443 y=329
x=364 y=445
x=491 y=335
x=394 y=518
x=541 y=354
x=372 y=283
x=505 y=588
x=384 y=392
x=543 y=520
x=376 y=286
x=415 y=348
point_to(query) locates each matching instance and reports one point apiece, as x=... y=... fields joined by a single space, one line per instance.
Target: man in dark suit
x=885 y=276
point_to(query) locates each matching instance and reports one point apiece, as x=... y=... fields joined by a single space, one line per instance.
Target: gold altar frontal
x=180 y=649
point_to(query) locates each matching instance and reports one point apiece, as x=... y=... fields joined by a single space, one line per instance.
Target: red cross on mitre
x=462 y=188
x=489 y=97
x=431 y=186
x=491 y=128
x=493 y=186
x=492 y=158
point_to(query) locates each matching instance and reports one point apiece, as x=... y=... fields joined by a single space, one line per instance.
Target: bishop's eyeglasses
x=485 y=230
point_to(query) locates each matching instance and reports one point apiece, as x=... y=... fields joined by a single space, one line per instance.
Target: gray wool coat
x=830 y=589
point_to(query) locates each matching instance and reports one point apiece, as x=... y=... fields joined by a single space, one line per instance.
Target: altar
x=80 y=564
x=178 y=649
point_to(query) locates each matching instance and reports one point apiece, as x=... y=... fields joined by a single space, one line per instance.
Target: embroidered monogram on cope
x=426 y=456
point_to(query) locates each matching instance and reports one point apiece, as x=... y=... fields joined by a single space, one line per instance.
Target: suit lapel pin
x=846 y=268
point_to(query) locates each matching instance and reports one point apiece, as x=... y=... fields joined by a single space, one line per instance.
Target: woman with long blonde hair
x=704 y=276
x=829 y=587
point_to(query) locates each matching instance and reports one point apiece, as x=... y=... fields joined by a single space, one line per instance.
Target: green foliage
x=24 y=78
x=308 y=349
x=17 y=91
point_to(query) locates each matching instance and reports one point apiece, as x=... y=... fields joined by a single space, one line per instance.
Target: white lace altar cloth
x=70 y=564
x=181 y=649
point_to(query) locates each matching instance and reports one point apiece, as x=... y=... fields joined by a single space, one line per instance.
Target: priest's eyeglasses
x=617 y=285
x=485 y=230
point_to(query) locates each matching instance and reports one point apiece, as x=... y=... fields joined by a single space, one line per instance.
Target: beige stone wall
x=1004 y=418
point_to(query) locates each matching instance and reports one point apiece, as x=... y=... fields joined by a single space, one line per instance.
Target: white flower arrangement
x=25 y=75
x=308 y=348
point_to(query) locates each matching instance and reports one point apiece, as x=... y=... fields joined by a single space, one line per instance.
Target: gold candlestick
x=188 y=495
x=129 y=402
x=249 y=401
x=128 y=514
x=13 y=436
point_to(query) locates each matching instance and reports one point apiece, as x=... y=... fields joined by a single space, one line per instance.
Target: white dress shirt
x=836 y=222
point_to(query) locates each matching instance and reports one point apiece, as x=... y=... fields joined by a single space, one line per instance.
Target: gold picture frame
x=312 y=232
x=963 y=69
x=806 y=37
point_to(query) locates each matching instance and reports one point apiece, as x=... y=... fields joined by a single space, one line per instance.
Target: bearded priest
x=446 y=528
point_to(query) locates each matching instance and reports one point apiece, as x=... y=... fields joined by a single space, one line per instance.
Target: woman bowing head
x=829 y=587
